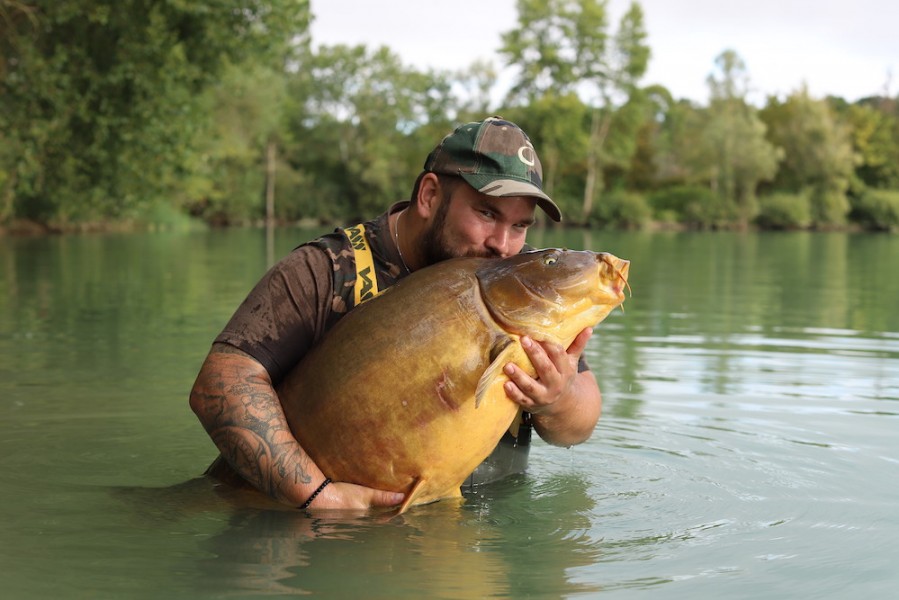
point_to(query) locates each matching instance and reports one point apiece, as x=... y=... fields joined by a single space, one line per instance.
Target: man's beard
x=434 y=244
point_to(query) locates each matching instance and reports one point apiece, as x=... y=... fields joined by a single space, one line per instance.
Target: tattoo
x=234 y=399
x=241 y=454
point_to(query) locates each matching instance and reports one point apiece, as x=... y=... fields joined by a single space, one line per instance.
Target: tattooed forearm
x=241 y=454
x=234 y=400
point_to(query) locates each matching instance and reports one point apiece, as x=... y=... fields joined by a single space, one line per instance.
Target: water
x=748 y=446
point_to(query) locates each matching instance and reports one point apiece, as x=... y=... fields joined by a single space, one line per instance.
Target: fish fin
x=500 y=344
x=410 y=497
x=499 y=356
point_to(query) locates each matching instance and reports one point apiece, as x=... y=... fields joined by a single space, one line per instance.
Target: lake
x=748 y=448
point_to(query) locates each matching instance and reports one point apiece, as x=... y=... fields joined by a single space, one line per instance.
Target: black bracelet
x=317 y=491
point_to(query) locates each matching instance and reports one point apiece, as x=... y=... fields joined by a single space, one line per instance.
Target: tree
x=555 y=124
x=563 y=46
x=817 y=156
x=355 y=127
x=236 y=161
x=475 y=85
x=657 y=105
x=735 y=137
x=615 y=75
x=628 y=134
x=99 y=101
x=874 y=133
x=681 y=156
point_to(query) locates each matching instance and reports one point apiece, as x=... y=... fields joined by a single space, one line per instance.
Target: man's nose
x=498 y=242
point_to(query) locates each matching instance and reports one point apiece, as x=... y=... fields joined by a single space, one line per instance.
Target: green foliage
x=784 y=210
x=140 y=111
x=619 y=151
x=621 y=209
x=244 y=109
x=691 y=205
x=545 y=45
x=735 y=139
x=817 y=154
x=874 y=131
x=556 y=125
x=680 y=155
x=563 y=46
x=877 y=210
x=167 y=217
x=476 y=84
x=100 y=101
x=354 y=129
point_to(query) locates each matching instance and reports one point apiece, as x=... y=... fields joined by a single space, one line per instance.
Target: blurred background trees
x=135 y=113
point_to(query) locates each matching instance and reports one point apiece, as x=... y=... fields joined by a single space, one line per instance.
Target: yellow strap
x=366 y=286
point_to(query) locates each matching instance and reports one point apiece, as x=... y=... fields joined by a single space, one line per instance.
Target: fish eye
x=550 y=259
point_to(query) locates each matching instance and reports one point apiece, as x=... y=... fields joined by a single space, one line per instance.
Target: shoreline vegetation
x=122 y=115
x=26 y=229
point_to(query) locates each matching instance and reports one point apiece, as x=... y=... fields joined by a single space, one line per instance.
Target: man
x=475 y=197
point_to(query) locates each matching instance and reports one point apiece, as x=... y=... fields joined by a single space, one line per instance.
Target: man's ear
x=428 y=196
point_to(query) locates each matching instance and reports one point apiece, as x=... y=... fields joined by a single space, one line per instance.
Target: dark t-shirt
x=296 y=303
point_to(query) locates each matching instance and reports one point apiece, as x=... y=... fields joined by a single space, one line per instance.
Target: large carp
x=406 y=394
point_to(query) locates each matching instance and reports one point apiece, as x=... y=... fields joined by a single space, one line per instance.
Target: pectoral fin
x=411 y=496
x=500 y=354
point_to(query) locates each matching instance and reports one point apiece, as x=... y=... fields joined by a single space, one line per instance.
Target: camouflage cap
x=496 y=158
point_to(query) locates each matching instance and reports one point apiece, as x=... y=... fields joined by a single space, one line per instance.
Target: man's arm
x=565 y=404
x=234 y=399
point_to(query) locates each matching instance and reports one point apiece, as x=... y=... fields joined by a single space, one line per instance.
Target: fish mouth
x=615 y=270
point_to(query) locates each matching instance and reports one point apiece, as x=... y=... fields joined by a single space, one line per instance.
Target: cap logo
x=527 y=155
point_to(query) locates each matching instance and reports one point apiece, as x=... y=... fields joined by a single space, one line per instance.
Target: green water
x=749 y=446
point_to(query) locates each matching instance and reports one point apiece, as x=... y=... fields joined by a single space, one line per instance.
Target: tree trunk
x=599 y=129
x=550 y=168
x=270 y=158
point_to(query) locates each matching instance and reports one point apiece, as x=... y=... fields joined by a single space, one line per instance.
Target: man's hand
x=349 y=495
x=565 y=404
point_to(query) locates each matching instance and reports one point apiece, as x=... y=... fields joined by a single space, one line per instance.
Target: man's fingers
x=381 y=498
x=351 y=496
x=579 y=344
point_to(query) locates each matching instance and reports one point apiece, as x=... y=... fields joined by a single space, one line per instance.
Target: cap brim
x=514 y=187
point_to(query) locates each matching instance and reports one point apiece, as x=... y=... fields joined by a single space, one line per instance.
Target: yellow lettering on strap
x=366 y=286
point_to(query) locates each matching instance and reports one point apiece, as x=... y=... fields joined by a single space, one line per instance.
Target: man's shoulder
x=336 y=251
x=313 y=254
x=332 y=244
x=339 y=241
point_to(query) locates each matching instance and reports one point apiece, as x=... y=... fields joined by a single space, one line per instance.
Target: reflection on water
x=747 y=446
x=486 y=545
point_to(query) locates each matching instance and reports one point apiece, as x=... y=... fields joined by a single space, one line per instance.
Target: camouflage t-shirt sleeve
x=285 y=313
